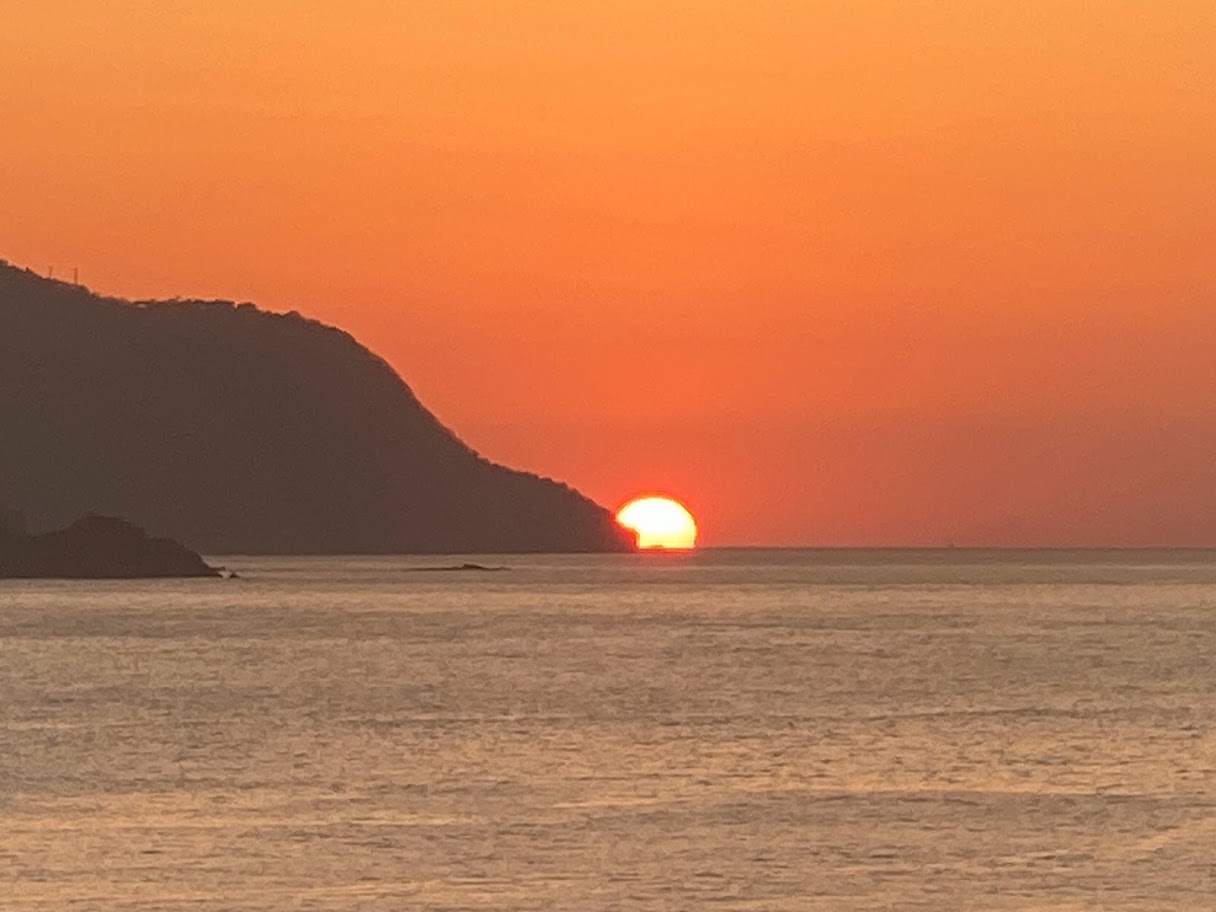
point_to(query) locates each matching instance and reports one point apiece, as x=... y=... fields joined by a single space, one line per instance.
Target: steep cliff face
x=237 y=430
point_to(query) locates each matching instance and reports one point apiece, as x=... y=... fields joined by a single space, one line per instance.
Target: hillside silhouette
x=235 y=430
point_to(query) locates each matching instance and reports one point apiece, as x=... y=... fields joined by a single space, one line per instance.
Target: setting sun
x=660 y=522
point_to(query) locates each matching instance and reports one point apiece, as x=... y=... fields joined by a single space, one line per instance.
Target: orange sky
x=851 y=272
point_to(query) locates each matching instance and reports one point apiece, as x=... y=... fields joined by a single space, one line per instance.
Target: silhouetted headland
x=242 y=431
x=96 y=547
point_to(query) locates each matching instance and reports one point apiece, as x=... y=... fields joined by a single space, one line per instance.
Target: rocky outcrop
x=97 y=547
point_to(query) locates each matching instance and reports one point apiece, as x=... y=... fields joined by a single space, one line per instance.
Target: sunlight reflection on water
x=764 y=730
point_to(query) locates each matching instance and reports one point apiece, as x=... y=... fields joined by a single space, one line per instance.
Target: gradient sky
x=851 y=272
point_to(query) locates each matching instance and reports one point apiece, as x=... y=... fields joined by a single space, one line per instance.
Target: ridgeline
x=241 y=431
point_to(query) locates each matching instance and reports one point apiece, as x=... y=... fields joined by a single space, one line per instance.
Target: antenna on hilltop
x=75 y=275
x=50 y=272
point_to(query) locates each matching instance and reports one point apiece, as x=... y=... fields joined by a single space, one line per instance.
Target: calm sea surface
x=725 y=730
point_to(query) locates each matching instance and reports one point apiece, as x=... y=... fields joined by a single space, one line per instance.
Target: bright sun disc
x=660 y=522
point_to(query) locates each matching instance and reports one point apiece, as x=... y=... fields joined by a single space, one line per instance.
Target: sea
x=721 y=729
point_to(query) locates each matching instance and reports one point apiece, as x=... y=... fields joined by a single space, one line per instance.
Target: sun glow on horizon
x=659 y=522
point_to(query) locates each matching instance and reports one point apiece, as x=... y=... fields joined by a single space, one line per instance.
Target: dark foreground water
x=731 y=730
